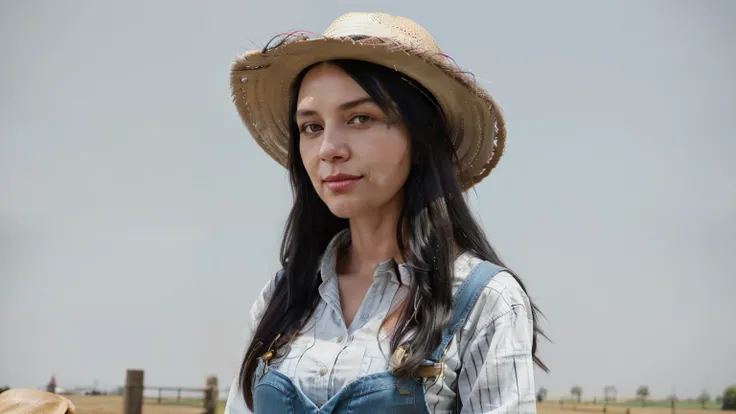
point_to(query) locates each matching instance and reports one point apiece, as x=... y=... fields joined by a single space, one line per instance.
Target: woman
x=390 y=298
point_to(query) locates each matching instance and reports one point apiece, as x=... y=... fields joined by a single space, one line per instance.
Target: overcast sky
x=138 y=219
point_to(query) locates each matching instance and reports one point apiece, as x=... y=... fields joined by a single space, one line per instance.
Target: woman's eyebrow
x=343 y=107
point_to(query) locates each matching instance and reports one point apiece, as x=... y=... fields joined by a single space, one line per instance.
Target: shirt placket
x=332 y=322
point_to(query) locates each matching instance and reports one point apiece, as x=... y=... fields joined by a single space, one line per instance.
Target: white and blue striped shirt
x=489 y=361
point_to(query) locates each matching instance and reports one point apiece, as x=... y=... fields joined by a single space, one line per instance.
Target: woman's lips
x=341 y=182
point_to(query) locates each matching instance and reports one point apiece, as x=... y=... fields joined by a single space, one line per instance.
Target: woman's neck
x=373 y=241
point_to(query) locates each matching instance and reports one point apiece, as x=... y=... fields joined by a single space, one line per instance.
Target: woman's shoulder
x=500 y=295
x=264 y=296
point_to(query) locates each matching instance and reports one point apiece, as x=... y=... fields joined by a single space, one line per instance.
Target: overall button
x=323 y=371
x=339 y=339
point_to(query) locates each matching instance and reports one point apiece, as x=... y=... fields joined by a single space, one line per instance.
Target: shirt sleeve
x=235 y=400
x=497 y=374
x=259 y=306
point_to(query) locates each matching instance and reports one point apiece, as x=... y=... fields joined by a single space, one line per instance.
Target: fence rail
x=134 y=398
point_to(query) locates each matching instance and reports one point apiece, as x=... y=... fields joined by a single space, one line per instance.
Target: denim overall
x=275 y=393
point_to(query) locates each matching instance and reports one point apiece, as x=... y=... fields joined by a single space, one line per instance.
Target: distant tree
x=3 y=389
x=703 y=398
x=642 y=393
x=577 y=391
x=718 y=399
x=729 y=398
x=541 y=394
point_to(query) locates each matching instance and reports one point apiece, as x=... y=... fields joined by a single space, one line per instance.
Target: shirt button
x=339 y=339
x=323 y=371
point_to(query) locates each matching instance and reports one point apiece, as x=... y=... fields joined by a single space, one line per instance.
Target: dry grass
x=553 y=408
x=114 y=405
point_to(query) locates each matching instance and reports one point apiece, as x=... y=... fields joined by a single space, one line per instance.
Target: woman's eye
x=360 y=119
x=310 y=128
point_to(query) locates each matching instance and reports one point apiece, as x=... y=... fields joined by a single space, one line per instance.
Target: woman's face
x=356 y=158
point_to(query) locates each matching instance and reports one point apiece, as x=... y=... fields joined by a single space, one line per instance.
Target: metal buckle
x=397 y=358
x=266 y=357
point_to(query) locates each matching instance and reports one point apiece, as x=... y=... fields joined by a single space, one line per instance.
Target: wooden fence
x=133 y=397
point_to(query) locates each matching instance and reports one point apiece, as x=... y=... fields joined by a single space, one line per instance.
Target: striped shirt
x=489 y=360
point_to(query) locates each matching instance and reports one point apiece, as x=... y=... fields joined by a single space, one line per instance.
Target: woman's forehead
x=326 y=85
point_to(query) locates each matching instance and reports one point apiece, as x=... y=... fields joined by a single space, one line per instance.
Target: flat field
x=114 y=405
x=653 y=408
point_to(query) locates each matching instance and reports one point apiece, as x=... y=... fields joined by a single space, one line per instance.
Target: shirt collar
x=341 y=240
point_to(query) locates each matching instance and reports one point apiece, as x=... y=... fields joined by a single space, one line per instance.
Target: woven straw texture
x=260 y=81
x=23 y=401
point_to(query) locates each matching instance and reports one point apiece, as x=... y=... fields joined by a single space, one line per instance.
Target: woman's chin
x=346 y=207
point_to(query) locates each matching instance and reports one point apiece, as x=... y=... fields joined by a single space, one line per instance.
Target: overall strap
x=278 y=276
x=463 y=302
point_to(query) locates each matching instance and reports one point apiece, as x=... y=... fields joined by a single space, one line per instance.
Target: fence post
x=133 y=394
x=178 y=394
x=159 y=396
x=210 y=395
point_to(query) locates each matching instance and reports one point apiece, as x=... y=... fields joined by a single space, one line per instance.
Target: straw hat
x=24 y=401
x=260 y=82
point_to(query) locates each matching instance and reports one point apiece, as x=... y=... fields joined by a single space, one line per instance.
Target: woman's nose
x=333 y=147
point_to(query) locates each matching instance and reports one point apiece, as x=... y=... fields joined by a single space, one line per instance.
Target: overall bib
x=275 y=393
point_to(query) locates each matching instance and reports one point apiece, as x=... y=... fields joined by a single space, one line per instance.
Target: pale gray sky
x=138 y=220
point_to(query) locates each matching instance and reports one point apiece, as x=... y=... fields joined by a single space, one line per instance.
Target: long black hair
x=434 y=222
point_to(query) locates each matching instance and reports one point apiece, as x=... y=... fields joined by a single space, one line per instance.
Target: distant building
x=51 y=386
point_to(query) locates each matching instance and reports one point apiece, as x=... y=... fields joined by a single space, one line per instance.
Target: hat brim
x=261 y=83
x=23 y=401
